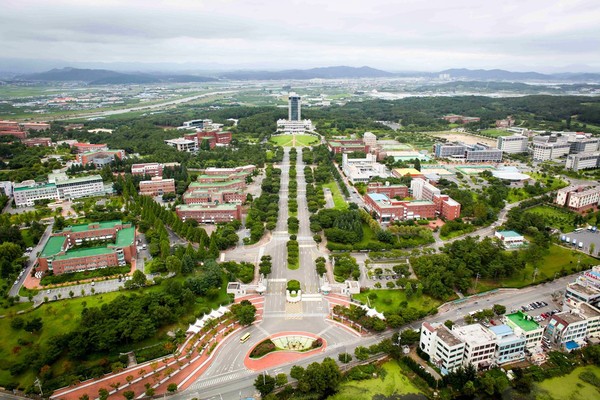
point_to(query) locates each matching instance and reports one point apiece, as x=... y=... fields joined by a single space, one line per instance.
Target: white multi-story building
x=566 y=327
x=509 y=346
x=585 y=289
x=480 y=345
x=423 y=190
x=525 y=327
x=443 y=347
x=150 y=169
x=576 y=162
x=80 y=187
x=513 y=144
x=578 y=198
x=27 y=192
x=182 y=144
x=363 y=169
x=543 y=151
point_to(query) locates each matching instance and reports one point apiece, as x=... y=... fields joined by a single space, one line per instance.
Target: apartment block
x=157 y=186
x=64 y=253
x=513 y=144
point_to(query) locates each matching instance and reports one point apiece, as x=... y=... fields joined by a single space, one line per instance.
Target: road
x=150 y=106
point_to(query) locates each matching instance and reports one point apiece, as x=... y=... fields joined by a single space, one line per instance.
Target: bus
x=245 y=338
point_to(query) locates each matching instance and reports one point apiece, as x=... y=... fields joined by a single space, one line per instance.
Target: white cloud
x=401 y=34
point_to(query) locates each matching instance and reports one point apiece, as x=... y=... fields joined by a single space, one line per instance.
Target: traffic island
x=282 y=348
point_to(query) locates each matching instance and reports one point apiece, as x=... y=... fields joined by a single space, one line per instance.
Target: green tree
x=265 y=384
x=499 y=309
x=102 y=394
x=172 y=387
x=281 y=379
x=129 y=394
x=174 y=264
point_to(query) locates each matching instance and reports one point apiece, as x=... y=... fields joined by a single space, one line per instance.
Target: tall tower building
x=294 y=106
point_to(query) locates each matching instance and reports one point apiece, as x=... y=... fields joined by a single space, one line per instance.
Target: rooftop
x=509 y=234
x=474 y=334
x=447 y=336
x=377 y=197
x=125 y=237
x=35 y=186
x=577 y=287
x=197 y=207
x=213 y=184
x=53 y=246
x=92 y=226
x=407 y=171
x=80 y=179
x=86 y=252
x=522 y=320
x=501 y=330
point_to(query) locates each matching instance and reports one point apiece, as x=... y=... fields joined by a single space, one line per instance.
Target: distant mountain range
x=107 y=77
x=313 y=73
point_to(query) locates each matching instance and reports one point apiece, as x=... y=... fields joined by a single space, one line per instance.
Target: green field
x=557 y=259
x=495 y=132
x=390 y=382
x=294 y=140
x=390 y=299
x=558 y=218
x=568 y=387
x=338 y=199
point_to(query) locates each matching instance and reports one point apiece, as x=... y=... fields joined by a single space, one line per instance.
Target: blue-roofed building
x=509 y=347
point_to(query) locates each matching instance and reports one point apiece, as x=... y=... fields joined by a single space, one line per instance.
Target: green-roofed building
x=525 y=327
x=72 y=249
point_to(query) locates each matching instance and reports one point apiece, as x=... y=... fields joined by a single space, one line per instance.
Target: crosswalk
x=218 y=379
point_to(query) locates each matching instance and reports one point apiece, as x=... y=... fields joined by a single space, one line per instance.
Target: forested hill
x=107 y=77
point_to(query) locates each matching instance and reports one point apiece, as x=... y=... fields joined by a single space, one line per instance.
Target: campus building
x=100 y=158
x=525 y=327
x=391 y=191
x=64 y=253
x=509 y=346
x=578 y=198
x=37 y=142
x=445 y=206
x=214 y=138
x=387 y=210
x=339 y=146
x=209 y=213
x=147 y=169
x=585 y=289
x=81 y=148
x=577 y=162
x=58 y=187
x=294 y=124
x=182 y=144
x=510 y=239
x=480 y=345
x=362 y=170
x=157 y=186
x=543 y=151
x=459 y=151
x=513 y=144
x=461 y=119
x=200 y=124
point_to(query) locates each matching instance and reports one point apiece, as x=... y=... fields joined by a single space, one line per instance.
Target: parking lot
x=586 y=238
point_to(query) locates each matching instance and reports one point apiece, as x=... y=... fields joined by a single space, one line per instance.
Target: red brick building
x=209 y=213
x=63 y=252
x=157 y=186
x=213 y=196
x=18 y=134
x=387 y=210
x=339 y=146
x=215 y=138
x=390 y=191
x=100 y=158
x=34 y=126
x=32 y=142
x=447 y=207
x=81 y=148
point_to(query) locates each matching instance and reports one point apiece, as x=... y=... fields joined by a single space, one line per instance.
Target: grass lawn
x=294 y=140
x=338 y=199
x=558 y=218
x=568 y=386
x=391 y=382
x=551 y=183
x=390 y=299
x=27 y=238
x=495 y=132
x=557 y=259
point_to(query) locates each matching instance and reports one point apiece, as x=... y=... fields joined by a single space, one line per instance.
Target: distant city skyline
x=410 y=35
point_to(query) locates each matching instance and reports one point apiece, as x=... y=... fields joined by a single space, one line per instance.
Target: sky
x=400 y=35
